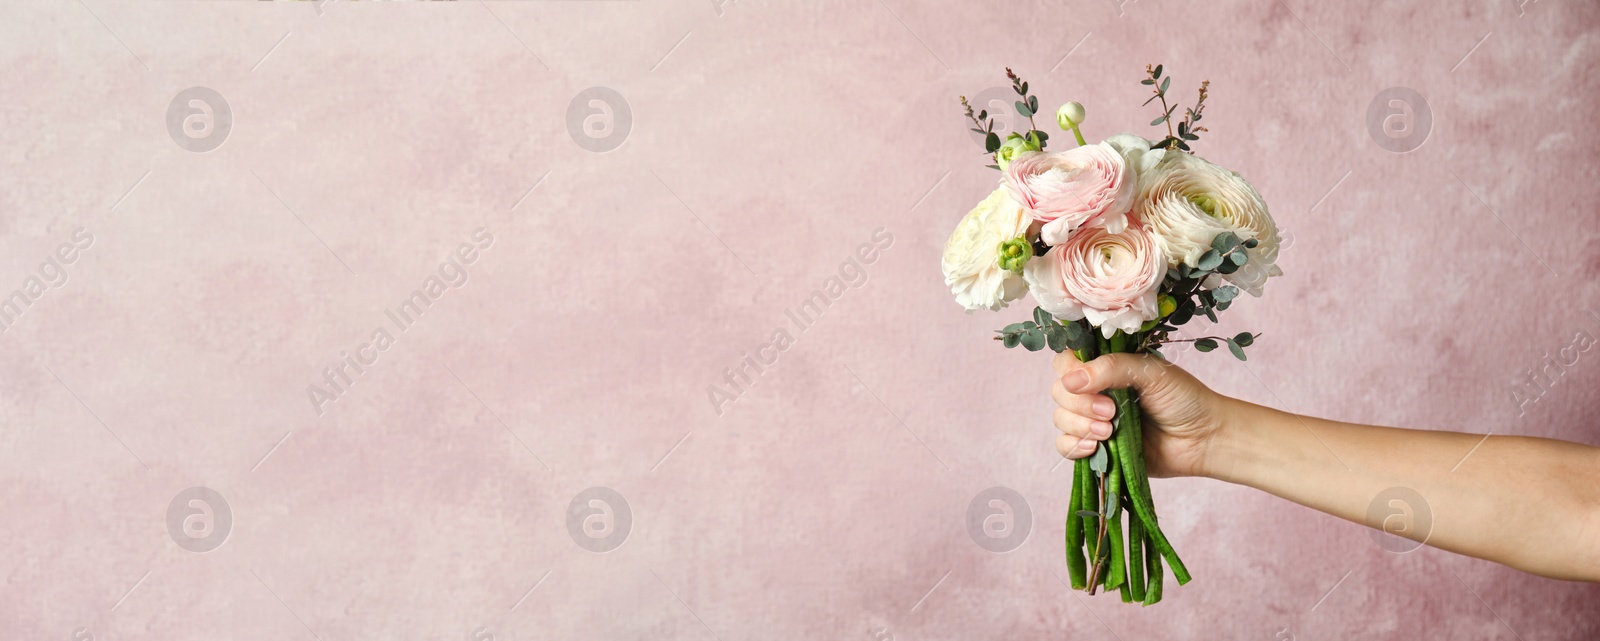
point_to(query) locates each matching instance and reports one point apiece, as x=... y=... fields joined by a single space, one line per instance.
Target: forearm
x=1529 y=503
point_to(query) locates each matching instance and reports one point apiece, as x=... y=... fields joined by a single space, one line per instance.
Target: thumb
x=1113 y=371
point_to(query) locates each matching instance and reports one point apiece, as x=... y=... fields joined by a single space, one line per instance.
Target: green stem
x=1091 y=501
x=1128 y=424
x=1136 y=559
x=1098 y=574
x=1079 y=135
x=1076 y=567
x=1117 y=572
x=1152 y=591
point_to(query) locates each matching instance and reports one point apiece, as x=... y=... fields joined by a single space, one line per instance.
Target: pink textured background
x=778 y=136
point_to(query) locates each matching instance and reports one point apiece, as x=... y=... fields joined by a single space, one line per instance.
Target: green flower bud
x=1014 y=254
x=1014 y=144
x=1070 y=115
x=1167 y=304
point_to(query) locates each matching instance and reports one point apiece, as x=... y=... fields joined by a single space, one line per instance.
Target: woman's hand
x=1530 y=503
x=1181 y=415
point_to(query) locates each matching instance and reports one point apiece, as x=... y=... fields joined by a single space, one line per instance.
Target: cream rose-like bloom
x=1065 y=190
x=1187 y=201
x=1111 y=279
x=971 y=256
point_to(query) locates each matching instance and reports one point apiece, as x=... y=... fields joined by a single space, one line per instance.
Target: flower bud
x=1014 y=144
x=1070 y=115
x=1014 y=253
x=1167 y=304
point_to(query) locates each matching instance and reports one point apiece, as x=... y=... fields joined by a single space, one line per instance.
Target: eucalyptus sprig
x=1187 y=129
x=1027 y=107
x=1227 y=254
x=1045 y=331
x=984 y=126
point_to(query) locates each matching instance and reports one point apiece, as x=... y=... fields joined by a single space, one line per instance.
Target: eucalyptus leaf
x=1023 y=110
x=1056 y=336
x=1165 y=82
x=1238 y=352
x=1205 y=345
x=1157 y=73
x=1225 y=293
x=1042 y=317
x=991 y=142
x=1033 y=339
x=1099 y=460
x=1244 y=339
x=1210 y=260
x=1009 y=340
x=1158 y=121
x=1239 y=258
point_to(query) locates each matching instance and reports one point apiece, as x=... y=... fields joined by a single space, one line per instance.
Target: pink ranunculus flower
x=1090 y=185
x=1112 y=279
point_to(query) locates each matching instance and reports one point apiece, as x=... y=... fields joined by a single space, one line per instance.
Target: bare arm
x=1529 y=503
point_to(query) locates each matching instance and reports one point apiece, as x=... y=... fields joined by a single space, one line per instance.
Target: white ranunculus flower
x=1187 y=201
x=971 y=265
x=1133 y=149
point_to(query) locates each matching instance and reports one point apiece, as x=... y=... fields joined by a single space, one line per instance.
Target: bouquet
x=1120 y=243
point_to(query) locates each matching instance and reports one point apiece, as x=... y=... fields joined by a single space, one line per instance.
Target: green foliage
x=1238 y=351
x=1045 y=331
x=1187 y=130
x=1100 y=460
x=1227 y=254
x=1027 y=107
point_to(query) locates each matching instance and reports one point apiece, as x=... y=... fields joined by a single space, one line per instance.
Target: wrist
x=1235 y=443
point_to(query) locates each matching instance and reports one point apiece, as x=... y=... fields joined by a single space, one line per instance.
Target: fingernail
x=1101 y=429
x=1105 y=408
x=1087 y=445
x=1075 y=380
